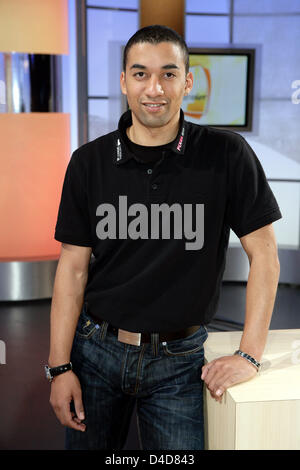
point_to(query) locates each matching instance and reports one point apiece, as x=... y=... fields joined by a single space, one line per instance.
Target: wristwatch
x=52 y=372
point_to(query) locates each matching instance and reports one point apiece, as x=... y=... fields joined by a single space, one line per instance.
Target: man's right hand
x=65 y=388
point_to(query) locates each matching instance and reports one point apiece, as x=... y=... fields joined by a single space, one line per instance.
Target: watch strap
x=52 y=372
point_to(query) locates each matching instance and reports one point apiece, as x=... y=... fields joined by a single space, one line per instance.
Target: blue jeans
x=164 y=379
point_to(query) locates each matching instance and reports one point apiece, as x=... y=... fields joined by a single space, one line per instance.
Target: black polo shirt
x=161 y=271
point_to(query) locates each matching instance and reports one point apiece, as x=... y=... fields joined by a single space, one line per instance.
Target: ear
x=123 y=83
x=189 y=80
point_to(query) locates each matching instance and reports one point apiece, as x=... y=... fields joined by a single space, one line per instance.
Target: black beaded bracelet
x=249 y=358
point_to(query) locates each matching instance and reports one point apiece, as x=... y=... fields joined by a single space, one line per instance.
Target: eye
x=170 y=75
x=139 y=74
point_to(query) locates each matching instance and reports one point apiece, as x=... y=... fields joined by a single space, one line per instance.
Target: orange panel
x=34 y=26
x=35 y=151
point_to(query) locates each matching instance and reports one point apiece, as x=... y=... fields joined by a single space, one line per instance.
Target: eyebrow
x=164 y=67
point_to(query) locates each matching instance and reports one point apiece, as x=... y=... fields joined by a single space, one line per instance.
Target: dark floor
x=26 y=418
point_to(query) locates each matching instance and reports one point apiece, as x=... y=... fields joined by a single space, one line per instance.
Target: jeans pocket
x=186 y=346
x=86 y=326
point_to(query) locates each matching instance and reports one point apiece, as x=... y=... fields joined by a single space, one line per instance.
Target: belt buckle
x=129 y=337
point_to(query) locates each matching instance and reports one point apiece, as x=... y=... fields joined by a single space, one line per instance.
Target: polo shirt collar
x=122 y=153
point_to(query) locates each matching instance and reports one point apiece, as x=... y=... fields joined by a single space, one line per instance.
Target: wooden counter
x=263 y=412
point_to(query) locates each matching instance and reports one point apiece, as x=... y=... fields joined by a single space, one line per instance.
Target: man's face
x=155 y=82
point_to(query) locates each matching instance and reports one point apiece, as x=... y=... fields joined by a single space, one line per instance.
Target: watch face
x=47 y=372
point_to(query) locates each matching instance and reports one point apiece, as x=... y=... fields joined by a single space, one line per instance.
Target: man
x=154 y=202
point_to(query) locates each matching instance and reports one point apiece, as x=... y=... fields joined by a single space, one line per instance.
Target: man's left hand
x=226 y=371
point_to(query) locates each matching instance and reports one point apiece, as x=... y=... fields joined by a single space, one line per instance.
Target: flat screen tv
x=222 y=94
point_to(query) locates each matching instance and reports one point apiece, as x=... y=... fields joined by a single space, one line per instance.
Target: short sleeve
x=73 y=224
x=251 y=203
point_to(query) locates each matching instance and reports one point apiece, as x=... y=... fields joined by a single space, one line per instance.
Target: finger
x=75 y=423
x=66 y=418
x=220 y=386
x=74 y=417
x=79 y=406
x=206 y=368
x=214 y=385
x=210 y=372
x=204 y=372
x=217 y=380
x=219 y=399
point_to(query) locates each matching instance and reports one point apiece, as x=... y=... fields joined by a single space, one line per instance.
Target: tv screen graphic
x=222 y=92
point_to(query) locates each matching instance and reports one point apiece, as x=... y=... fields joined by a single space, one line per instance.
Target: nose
x=154 y=87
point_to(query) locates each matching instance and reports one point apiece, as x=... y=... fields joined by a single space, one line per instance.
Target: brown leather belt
x=137 y=338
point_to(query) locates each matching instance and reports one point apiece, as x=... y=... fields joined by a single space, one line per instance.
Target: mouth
x=154 y=107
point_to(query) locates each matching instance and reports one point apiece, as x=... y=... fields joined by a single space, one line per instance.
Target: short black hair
x=155 y=34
